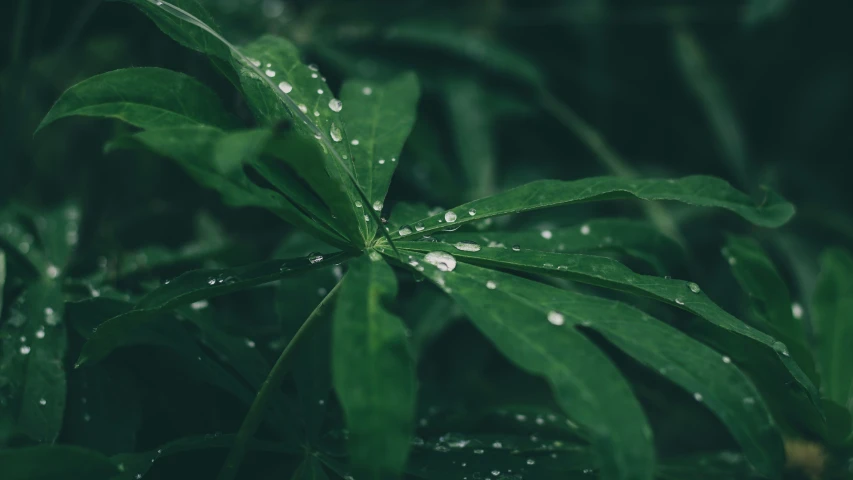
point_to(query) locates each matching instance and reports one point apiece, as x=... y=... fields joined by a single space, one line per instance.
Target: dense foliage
x=209 y=269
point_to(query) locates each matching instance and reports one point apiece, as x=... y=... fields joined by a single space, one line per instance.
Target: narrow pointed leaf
x=372 y=369
x=143 y=97
x=471 y=124
x=188 y=288
x=832 y=310
x=771 y=366
x=586 y=384
x=380 y=117
x=702 y=191
x=282 y=88
x=49 y=462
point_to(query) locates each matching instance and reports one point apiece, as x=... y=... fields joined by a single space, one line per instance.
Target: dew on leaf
x=419 y=226
x=694 y=287
x=516 y=248
x=491 y=285
x=471 y=212
x=556 y=318
x=366 y=90
x=546 y=234
x=381 y=162
x=336 y=105
x=25 y=349
x=697 y=396
x=199 y=305
x=303 y=108
x=797 y=310
x=377 y=205
x=285 y=87
x=450 y=217
x=52 y=271
x=585 y=230
x=250 y=343
x=467 y=246
x=726 y=359
x=40 y=332
x=679 y=301
x=443 y=260
x=269 y=73
x=316 y=113
x=354 y=142
x=405 y=230
x=315 y=257
x=358 y=204
x=319 y=91
x=335 y=133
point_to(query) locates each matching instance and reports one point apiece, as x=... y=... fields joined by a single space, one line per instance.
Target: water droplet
x=50 y=316
x=199 y=305
x=315 y=257
x=42 y=402
x=367 y=90
x=255 y=63
x=679 y=301
x=313 y=67
x=471 y=212
x=781 y=348
x=450 y=217
x=285 y=87
x=354 y=142
x=314 y=75
x=25 y=350
x=443 y=260
x=516 y=248
x=497 y=445
x=211 y=281
x=732 y=261
x=491 y=285
x=335 y=133
x=748 y=401
x=584 y=229
x=40 y=332
x=358 y=204
x=321 y=291
x=546 y=234
x=336 y=105
x=366 y=218
x=726 y=359
x=479 y=451
x=250 y=343
x=405 y=230
x=496 y=472
x=319 y=91
x=303 y=108
x=52 y=271
x=377 y=205
x=556 y=318
x=419 y=226
x=316 y=113
x=797 y=310
x=697 y=396
x=530 y=461
x=694 y=287
x=270 y=73
x=467 y=246
x=381 y=161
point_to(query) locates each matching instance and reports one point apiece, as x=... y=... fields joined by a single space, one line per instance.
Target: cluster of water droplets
x=222 y=279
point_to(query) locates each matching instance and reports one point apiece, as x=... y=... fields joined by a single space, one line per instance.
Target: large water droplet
x=354 y=142
x=405 y=230
x=358 y=204
x=450 y=217
x=335 y=133
x=546 y=234
x=285 y=87
x=42 y=402
x=726 y=359
x=377 y=205
x=52 y=271
x=443 y=260
x=584 y=229
x=694 y=287
x=556 y=318
x=516 y=248
x=270 y=73
x=25 y=349
x=491 y=285
x=319 y=91
x=471 y=212
x=303 y=108
x=797 y=310
x=40 y=332
x=419 y=226
x=467 y=246
x=336 y=105
x=315 y=257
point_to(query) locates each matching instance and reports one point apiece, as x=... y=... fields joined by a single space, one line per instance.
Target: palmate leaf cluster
x=584 y=317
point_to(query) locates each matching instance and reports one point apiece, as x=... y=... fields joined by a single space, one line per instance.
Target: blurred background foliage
x=756 y=92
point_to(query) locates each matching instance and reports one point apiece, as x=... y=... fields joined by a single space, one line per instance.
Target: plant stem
x=273 y=381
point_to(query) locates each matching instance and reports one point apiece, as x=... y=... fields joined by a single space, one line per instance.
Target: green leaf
x=635 y=238
x=380 y=117
x=53 y=462
x=768 y=293
x=147 y=98
x=585 y=383
x=372 y=369
x=2 y=276
x=478 y=456
x=31 y=361
x=18 y=241
x=297 y=92
x=310 y=469
x=708 y=466
x=212 y=157
x=188 y=23
x=728 y=334
x=832 y=310
x=471 y=124
x=188 y=288
x=697 y=190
